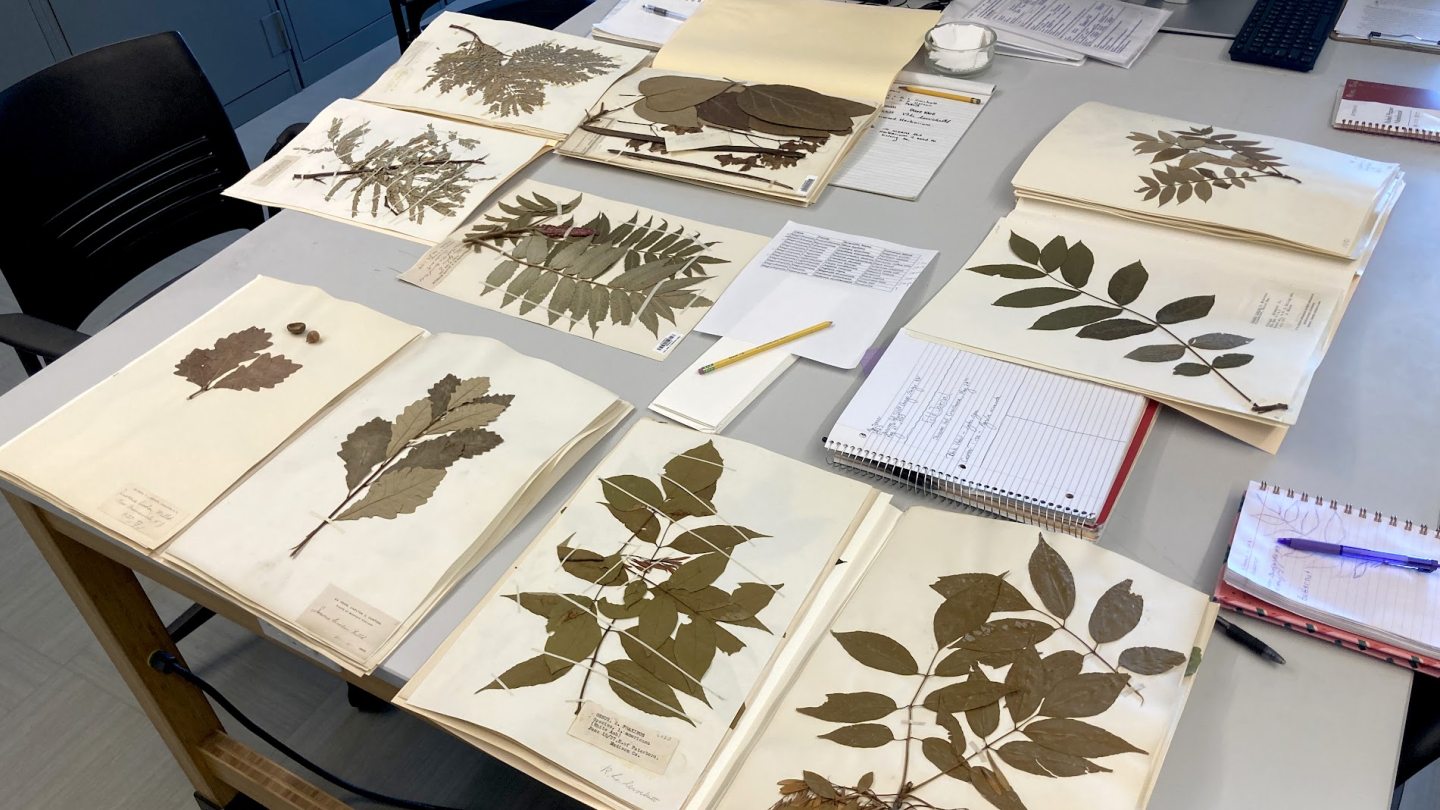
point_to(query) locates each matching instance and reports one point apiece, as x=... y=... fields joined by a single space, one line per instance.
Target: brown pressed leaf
x=644 y=523
x=753 y=597
x=642 y=690
x=660 y=663
x=1028 y=683
x=669 y=93
x=724 y=111
x=628 y=493
x=864 y=735
x=851 y=707
x=791 y=106
x=363 y=449
x=878 y=652
x=1008 y=597
x=203 y=366
x=984 y=719
x=960 y=662
x=1024 y=249
x=1052 y=580
x=1232 y=360
x=574 y=639
x=788 y=786
x=942 y=755
x=530 y=672
x=266 y=371
x=440 y=394
x=396 y=492
x=1062 y=665
x=683 y=117
x=475 y=414
x=687 y=477
x=442 y=451
x=966 y=611
x=1116 y=613
x=1084 y=695
x=1006 y=634
x=964 y=696
x=1077 y=738
x=819 y=785
x=698 y=572
x=953 y=730
x=695 y=647
x=1150 y=660
x=1041 y=761
x=658 y=617
x=409 y=425
x=995 y=789
x=589 y=566
x=548 y=605
x=722 y=537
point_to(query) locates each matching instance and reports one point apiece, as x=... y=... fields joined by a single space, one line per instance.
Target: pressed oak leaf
x=235 y=362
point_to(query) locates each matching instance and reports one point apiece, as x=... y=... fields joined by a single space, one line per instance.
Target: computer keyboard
x=1285 y=33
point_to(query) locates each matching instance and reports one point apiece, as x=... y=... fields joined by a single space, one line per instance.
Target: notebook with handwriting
x=1020 y=442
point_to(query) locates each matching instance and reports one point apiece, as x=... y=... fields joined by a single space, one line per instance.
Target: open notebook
x=1023 y=443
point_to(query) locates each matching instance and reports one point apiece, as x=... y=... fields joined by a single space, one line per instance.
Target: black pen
x=1248 y=641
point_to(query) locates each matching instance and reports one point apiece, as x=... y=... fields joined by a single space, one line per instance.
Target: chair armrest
x=37 y=336
x=285 y=137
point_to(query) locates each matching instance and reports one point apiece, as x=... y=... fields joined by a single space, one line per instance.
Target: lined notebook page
x=1052 y=441
x=911 y=138
x=1365 y=598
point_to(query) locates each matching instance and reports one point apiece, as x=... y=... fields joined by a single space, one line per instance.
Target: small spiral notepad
x=995 y=436
x=1389 y=109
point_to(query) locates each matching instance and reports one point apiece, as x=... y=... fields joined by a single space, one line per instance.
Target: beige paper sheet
x=894 y=599
x=139 y=458
x=843 y=49
x=569 y=291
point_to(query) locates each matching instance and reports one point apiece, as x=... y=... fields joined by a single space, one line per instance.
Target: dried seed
x=296 y=328
x=312 y=336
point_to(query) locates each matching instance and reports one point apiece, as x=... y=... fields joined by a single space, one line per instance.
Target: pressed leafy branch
x=661 y=603
x=411 y=177
x=393 y=466
x=1189 y=159
x=635 y=271
x=514 y=83
x=235 y=362
x=1113 y=317
x=1055 y=707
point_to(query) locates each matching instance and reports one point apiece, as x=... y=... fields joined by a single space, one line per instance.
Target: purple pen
x=1356 y=553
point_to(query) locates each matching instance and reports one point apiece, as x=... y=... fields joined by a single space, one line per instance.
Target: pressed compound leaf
x=864 y=735
x=1116 y=613
x=852 y=707
x=1150 y=660
x=396 y=492
x=878 y=652
x=363 y=449
x=575 y=639
x=1051 y=578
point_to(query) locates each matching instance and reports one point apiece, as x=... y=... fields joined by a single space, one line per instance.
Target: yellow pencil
x=765 y=347
x=925 y=91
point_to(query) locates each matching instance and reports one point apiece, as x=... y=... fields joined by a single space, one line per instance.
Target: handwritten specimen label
x=347 y=622
x=621 y=738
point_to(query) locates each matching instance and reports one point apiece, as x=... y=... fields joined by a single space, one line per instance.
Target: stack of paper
x=641 y=23
x=1065 y=31
x=707 y=402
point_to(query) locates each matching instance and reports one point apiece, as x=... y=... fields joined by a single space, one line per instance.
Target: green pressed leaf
x=575 y=638
x=965 y=612
x=1186 y=309
x=1036 y=297
x=642 y=522
x=1234 y=360
x=1028 y=682
x=1053 y=255
x=1051 y=578
x=1078 y=263
x=959 y=662
x=546 y=605
x=753 y=597
x=1127 y=283
x=695 y=647
x=851 y=707
x=590 y=566
x=363 y=450
x=1071 y=317
x=1006 y=634
x=993 y=786
x=942 y=755
x=658 y=617
x=660 y=663
x=1218 y=341
x=965 y=696
x=629 y=493
x=1116 y=613
x=1078 y=738
x=476 y=414
x=686 y=479
x=498 y=276
x=878 y=652
x=1007 y=271
x=1193 y=665
x=1191 y=370
x=953 y=731
x=1024 y=249
x=1150 y=660
x=864 y=735
x=865 y=781
x=1041 y=761
x=984 y=719
x=1008 y=597
x=698 y=572
x=1158 y=353
x=530 y=672
x=722 y=537
x=1083 y=695
x=819 y=785
x=396 y=492
x=632 y=684
x=1115 y=329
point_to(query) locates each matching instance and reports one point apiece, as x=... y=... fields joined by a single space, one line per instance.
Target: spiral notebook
x=1389 y=109
x=1026 y=444
x=1384 y=611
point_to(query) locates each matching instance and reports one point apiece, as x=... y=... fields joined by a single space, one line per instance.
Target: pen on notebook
x=664 y=12
x=1248 y=641
x=1368 y=555
x=925 y=91
x=764 y=347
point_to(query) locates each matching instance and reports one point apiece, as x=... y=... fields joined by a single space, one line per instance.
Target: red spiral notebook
x=1389 y=109
x=1319 y=587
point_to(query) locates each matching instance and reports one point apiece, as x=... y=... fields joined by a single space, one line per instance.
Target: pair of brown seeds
x=298 y=327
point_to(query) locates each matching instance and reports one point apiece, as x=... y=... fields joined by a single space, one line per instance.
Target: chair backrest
x=114 y=159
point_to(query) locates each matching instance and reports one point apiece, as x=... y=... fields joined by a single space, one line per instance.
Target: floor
x=72 y=737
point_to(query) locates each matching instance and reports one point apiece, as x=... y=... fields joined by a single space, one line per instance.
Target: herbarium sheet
x=622 y=645
x=349 y=533
x=616 y=273
x=397 y=172
x=1209 y=178
x=146 y=450
x=1230 y=326
x=983 y=664
x=502 y=74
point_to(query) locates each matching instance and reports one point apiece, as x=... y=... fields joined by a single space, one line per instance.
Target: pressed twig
x=672 y=161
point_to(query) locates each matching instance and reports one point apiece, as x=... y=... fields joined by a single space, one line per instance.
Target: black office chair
x=1420 y=744
x=114 y=160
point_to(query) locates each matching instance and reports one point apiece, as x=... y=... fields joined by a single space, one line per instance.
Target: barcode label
x=668 y=342
x=809 y=181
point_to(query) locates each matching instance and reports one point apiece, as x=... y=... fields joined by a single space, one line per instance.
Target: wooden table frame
x=99 y=575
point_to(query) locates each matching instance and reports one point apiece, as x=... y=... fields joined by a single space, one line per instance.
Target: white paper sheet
x=1109 y=30
x=707 y=402
x=1405 y=22
x=908 y=143
x=807 y=275
x=630 y=23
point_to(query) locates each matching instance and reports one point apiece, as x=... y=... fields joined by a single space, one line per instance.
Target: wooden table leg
x=112 y=602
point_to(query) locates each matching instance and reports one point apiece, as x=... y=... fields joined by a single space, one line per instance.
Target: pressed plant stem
x=909 y=729
x=595 y=656
x=715 y=169
x=382 y=467
x=637 y=136
x=392 y=167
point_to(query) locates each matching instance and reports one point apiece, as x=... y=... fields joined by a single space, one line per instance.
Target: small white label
x=347 y=622
x=698 y=140
x=637 y=745
x=809 y=181
x=281 y=166
x=668 y=342
x=141 y=510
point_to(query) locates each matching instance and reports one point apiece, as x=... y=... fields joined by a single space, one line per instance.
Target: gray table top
x=1253 y=734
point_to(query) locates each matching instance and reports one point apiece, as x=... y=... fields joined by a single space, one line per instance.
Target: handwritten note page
x=992 y=425
x=907 y=144
x=807 y=275
x=1109 y=30
x=1396 y=604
